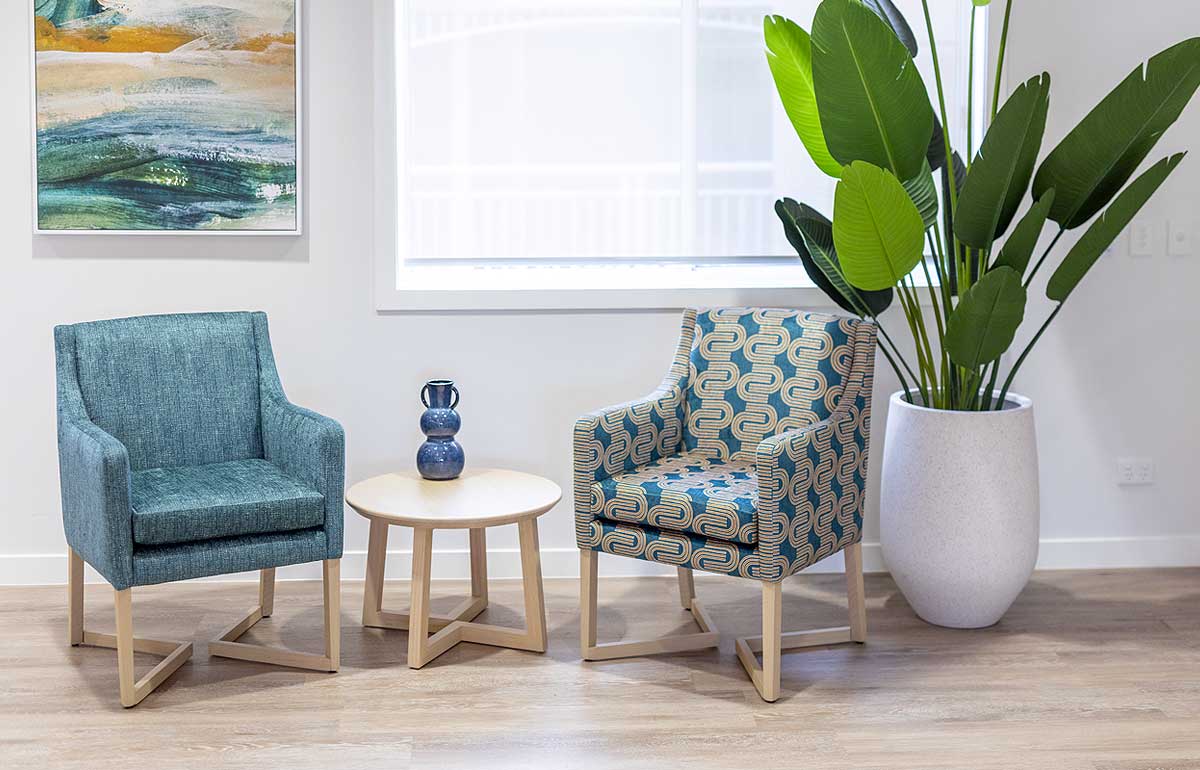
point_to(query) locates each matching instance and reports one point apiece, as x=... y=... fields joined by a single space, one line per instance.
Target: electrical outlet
x=1141 y=239
x=1135 y=471
x=1179 y=239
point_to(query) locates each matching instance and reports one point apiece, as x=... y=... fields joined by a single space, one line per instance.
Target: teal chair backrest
x=174 y=389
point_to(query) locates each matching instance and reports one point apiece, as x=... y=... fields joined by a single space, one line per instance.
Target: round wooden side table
x=478 y=499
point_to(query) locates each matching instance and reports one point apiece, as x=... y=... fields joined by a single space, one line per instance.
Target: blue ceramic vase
x=440 y=458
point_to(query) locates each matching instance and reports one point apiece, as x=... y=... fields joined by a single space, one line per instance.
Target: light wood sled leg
x=423 y=648
x=266 y=591
x=773 y=641
x=766 y=676
x=687 y=587
x=133 y=691
x=708 y=636
x=74 y=597
x=855 y=593
x=373 y=614
x=227 y=646
x=587 y=602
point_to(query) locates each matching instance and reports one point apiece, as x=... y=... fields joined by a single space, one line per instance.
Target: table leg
x=479 y=584
x=373 y=588
x=418 y=614
x=531 y=578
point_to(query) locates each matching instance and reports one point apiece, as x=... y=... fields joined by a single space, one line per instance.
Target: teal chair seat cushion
x=203 y=502
x=688 y=492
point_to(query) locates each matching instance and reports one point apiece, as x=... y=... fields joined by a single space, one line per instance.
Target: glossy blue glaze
x=440 y=458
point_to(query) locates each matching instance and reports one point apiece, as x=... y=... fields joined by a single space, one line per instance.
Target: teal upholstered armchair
x=749 y=460
x=181 y=457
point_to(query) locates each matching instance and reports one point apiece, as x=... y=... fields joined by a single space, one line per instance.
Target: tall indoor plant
x=959 y=501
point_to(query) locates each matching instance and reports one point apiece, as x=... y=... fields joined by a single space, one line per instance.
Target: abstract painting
x=167 y=116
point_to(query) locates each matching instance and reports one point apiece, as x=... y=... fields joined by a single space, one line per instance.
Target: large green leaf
x=789 y=54
x=1092 y=162
x=1104 y=230
x=1000 y=174
x=936 y=154
x=870 y=98
x=983 y=325
x=1018 y=249
x=924 y=195
x=885 y=10
x=877 y=229
x=811 y=234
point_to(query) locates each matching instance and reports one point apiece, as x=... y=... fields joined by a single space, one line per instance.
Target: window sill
x=597 y=287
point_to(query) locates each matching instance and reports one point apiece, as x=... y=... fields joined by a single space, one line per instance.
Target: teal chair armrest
x=94 y=471
x=311 y=448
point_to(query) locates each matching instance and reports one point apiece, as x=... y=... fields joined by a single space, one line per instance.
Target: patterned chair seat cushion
x=202 y=502
x=688 y=492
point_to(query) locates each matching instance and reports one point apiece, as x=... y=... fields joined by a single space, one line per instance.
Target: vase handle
x=454 y=390
x=424 y=399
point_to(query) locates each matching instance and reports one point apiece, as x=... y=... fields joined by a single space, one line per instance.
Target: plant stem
x=1045 y=254
x=1000 y=58
x=910 y=315
x=937 y=313
x=937 y=74
x=1025 y=353
x=923 y=336
x=895 y=349
x=944 y=274
x=903 y=383
x=863 y=309
x=971 y=89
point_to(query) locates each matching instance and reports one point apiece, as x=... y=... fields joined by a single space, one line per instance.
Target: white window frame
x=532 y=286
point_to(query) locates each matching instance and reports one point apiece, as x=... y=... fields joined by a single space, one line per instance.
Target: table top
x=480 y=497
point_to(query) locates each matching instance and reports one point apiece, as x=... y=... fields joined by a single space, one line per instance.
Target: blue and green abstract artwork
x=166 y=115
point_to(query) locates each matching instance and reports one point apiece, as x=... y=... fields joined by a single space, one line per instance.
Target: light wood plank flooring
x=1090 y=670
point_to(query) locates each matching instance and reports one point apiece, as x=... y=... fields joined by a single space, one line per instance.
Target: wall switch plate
x=1179 y=239
x=1141 y=239
x=1135 y=471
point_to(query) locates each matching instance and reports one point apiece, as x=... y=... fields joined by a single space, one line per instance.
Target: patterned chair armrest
x=812 y=480
x=94 y=471
x=622 y=437
x=311 y=448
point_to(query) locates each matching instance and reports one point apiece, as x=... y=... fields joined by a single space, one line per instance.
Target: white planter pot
x=959 y=509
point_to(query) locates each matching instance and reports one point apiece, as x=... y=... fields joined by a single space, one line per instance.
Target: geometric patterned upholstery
x=783 y=398
x=180 y=456
x=752 y=375
x=201 y=502
x=688 y=492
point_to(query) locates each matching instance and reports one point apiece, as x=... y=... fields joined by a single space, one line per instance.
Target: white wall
x=1115 y=376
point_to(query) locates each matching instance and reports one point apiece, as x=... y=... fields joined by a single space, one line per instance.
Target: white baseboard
x=505 y=563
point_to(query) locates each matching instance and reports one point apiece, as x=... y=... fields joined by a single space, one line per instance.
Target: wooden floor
x=1096 y=670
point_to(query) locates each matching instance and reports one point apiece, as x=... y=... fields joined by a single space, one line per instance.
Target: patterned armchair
x=180 y=457
x=750 y=460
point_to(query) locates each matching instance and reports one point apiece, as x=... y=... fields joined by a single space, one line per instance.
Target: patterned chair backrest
x=754 y=373
x=174 y=389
